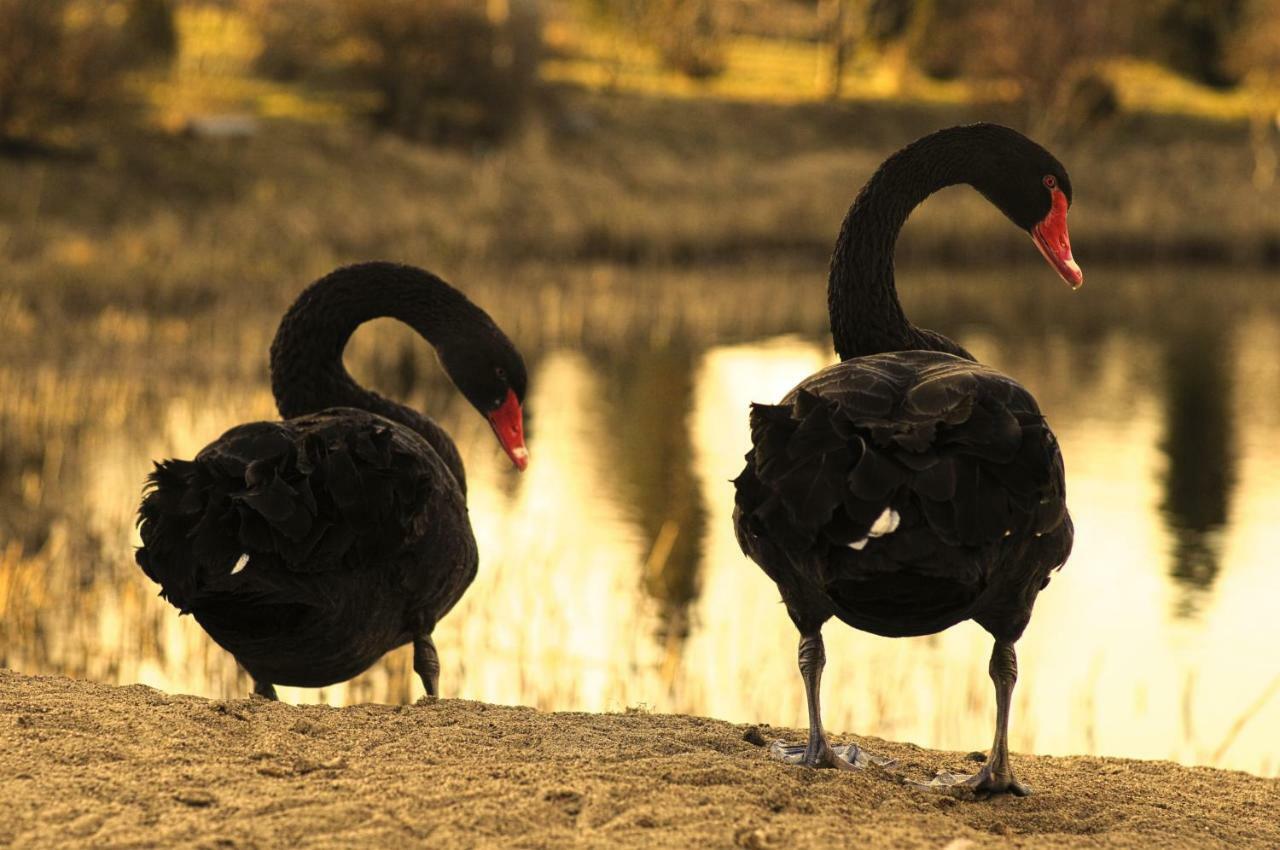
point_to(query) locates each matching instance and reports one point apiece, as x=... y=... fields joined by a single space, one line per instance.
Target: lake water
x=610 y=577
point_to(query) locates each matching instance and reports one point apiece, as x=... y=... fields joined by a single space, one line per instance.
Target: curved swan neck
x=307 y=372
x=862 y=298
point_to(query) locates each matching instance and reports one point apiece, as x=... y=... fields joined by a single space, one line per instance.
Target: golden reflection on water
x=610 y=577
x=1105 y=668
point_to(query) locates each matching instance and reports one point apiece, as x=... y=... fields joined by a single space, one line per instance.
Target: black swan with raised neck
x=310 y=547
x=909 y=488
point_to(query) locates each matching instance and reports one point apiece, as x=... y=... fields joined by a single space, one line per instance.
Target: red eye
x=1051 y=181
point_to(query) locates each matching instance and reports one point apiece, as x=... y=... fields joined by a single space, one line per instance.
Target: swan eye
x=501 y=373
x=1050 y=181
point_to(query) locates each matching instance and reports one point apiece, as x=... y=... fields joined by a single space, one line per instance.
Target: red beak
x=508 y=425
x=1051 y=238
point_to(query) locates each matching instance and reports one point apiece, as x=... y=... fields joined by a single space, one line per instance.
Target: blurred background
x=644 y=193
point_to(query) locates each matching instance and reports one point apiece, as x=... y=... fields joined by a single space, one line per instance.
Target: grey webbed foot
x=983 y=783
x=996 y=776
x=840 y=756
x=812 y=656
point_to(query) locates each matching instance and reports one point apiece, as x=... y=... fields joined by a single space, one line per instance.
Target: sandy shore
x=88 y=765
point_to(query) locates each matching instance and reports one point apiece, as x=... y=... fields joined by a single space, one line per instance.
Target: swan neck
x=307 y=369
x=862 y=296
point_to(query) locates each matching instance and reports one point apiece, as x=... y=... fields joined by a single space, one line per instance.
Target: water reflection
x=609 y=574
x=1199 y=443
x=647 y=399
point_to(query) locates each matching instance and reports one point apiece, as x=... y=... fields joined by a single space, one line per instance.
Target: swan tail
x=268 y=503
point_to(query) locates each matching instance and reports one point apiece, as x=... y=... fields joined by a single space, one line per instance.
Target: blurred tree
x=64 y=61
x=845 y=22
x=152 y=30
x=888 y=20
x=299 y=39
x=939 y=35
x=1254 y=55
x=1192 y=37
x=444 y=70
x=1050 y=50
x=899 y=30
x=688 y=34
x=440 y=68
x=852 y=25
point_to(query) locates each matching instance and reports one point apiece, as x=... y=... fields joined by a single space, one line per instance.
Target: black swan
x=909 y=488
x=310 y=547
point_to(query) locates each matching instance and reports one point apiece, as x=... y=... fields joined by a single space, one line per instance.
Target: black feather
x=319 y=504
x=959 y=451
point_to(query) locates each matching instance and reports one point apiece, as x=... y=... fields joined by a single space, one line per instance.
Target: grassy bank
x=85 y=765
x=596 y=178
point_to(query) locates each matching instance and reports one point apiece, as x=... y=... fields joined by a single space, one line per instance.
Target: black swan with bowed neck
x=909 y=488
x=310 y=547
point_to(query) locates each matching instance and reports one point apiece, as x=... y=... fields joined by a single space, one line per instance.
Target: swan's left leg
x=996 y=776
x=265 y=690
x=819 y=753
x=426 y=663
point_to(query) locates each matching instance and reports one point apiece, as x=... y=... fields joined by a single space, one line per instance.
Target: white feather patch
x=241 y=564
x=886 y=523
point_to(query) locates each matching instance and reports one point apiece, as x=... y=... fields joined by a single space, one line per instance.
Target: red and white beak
x=1054 y=243
x=508 y=425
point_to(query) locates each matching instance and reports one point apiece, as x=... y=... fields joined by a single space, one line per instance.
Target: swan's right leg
x=996 y=776
x=265 y=690
x=818 y=753
x=426 y=663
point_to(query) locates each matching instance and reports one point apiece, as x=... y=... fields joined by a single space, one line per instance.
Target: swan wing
x=899 y=475
x=269 y=503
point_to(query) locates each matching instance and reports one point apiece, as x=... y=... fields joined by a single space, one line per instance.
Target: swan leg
x=266 y=690
x=819 y=753
x=426 y=663
x=996 y=776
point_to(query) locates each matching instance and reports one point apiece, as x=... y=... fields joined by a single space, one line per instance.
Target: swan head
x=1032 y=188
x=489 y=371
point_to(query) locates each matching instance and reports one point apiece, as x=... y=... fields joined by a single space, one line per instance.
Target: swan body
x=907 y=492
x=909 y=488
x=310 y=547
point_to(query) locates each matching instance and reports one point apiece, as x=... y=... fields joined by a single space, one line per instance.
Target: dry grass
x=636 y=176
x=164 y=220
